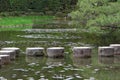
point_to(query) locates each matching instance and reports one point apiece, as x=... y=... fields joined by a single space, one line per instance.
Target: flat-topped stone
x=106 y=51
x=17 y=50
x=114 y=44
x=5 y=59
x=106 y=47
x=56 y=48
x=35 y=51
x=116 y=48
x=10 y=53
x=55 y=52
x=35 y=48
x=82 y=51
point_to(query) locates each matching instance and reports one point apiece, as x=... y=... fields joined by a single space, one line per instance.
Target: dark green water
x=67 y=68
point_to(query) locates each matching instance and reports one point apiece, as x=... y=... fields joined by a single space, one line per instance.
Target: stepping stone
x=106 y=51
x=55 y=52
x=10 y=53
x=5 y=59
x=82 y=52
x=116 y=48
x=17 y=50
x=35 y=51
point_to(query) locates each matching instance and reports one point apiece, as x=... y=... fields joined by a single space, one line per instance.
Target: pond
x=59 y=34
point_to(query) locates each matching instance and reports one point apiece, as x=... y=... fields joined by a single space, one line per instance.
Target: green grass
x=9 y=23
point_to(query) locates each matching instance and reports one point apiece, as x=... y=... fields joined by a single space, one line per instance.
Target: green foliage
x=4 y=5
x=105 y=21
x=36 y=5
x=18 y=5
x=98 y=13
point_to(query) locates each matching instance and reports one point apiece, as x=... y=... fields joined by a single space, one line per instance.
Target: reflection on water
x=30 y=59
x=55 y=61
x=79 y=62
x=117 y=59
x=106 y=60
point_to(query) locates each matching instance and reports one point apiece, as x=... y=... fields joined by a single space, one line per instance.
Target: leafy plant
x=98 y=13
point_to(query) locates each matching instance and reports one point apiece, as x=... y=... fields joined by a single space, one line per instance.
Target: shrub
x=98 y=13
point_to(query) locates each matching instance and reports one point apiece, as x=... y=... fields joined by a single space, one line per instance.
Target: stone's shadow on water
x=106 y=60
x=30 y=59
x=55 y=61
x=79 y=62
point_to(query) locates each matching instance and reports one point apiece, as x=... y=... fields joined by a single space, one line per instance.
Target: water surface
x=59 y=33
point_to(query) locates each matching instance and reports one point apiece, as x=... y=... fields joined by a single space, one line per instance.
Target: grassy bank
x=20 y=22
